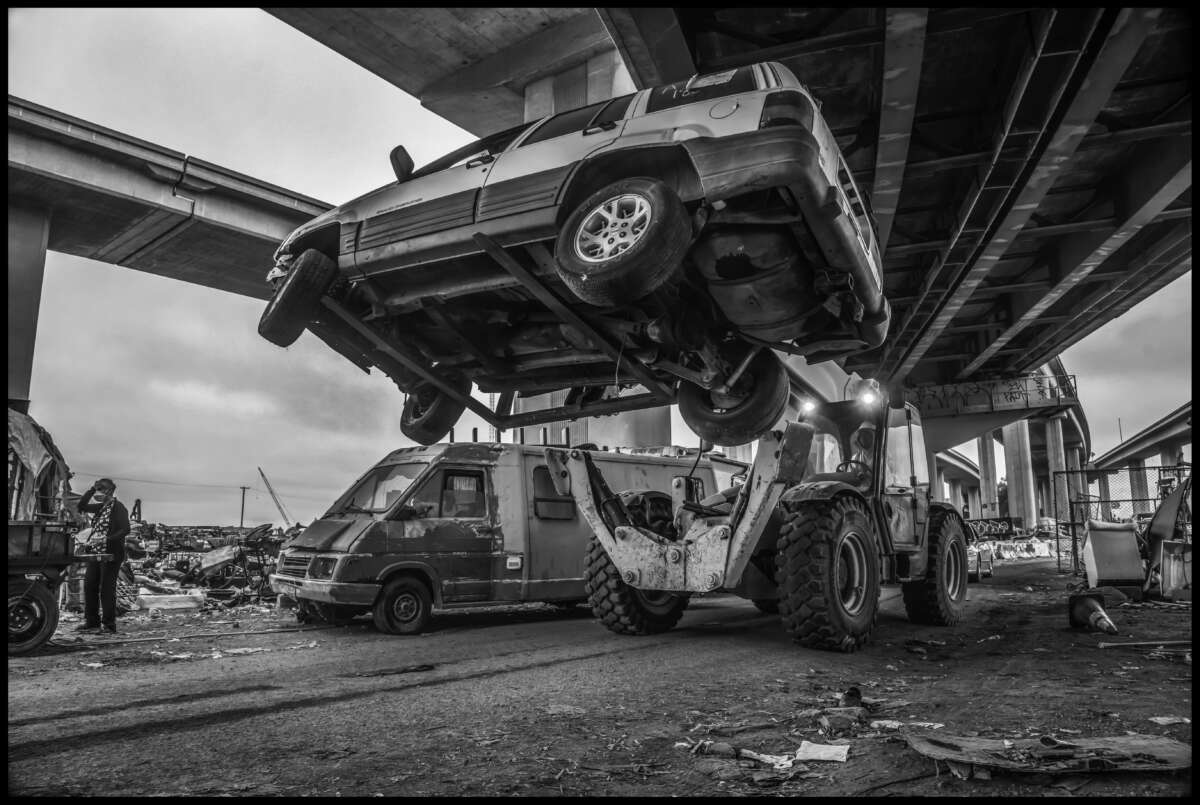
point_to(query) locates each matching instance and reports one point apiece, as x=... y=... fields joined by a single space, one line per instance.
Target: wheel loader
x=836 y=503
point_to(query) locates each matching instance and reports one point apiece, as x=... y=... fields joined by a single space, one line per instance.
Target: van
x=449 y=526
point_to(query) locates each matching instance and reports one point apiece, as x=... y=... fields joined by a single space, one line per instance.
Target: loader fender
x=818 y=490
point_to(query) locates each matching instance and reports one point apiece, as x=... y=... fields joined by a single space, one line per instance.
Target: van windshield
x=379 y=490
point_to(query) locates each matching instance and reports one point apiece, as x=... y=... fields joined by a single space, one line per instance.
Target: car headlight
x=322 y=567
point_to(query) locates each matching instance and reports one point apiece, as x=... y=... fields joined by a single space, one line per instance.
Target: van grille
x=295 y=565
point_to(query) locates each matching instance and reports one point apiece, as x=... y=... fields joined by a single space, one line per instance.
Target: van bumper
x=330 y=592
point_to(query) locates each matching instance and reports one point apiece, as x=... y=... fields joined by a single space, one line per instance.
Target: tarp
x=37 y=455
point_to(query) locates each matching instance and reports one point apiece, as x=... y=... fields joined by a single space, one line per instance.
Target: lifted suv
x=654 y=248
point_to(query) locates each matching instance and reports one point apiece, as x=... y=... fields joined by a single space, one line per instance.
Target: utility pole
x=242 y=518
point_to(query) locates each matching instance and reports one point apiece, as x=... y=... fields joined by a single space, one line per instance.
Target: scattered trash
x=1048 y=755
x=1164 y=721
x=851 y=698
x=1028 y=589
x=244 y=650
x=836 y=719
x=991 y=637
x=892 y=724
x=812 y=751
x=1087 y=611
x=1156 y=643
x=564 y=710
x=92 y=664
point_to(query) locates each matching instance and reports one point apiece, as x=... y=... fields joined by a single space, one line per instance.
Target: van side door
x=558 y=539
x=455 y=528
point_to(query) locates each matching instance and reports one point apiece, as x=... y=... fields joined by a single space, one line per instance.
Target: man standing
x=110 y=523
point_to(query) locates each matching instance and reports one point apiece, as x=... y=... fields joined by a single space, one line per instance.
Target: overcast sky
x=168 y=386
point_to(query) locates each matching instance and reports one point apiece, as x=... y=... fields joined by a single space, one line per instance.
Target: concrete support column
x=1105 y=495
x=1170 y=455
x=956 y=494
x=1076 y=484
x=937 y=478
x=1139 y=489
x=1018 y=466
x=973 y=503
x=28 y=233
x=1056 y=455
x=988 y=503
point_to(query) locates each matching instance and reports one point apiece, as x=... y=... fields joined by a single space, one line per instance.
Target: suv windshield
x=379 y=490
x=488 y=146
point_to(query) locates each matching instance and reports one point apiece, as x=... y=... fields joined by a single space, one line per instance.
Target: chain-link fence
x=1127 y=495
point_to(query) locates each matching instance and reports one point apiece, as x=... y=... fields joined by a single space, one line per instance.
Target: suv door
x=713 y=105
x=456 y=529
x=529 y=176
x=904 y=483
x=439 y=196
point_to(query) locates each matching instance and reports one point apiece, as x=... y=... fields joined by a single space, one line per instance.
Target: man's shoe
x=83 y=627
x=108 y=630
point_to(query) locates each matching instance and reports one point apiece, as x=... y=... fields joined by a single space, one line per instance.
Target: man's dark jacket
x=118 y=523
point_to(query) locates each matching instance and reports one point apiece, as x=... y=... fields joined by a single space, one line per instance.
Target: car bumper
x=789 y=156
x=330 y=592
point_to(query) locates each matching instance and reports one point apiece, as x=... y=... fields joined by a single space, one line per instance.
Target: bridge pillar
x=989 y=505
x=1056 y=454
x=28 y=233
x=1105 y=494
x=937 y=478
x=956 y=493
x=1076 y=484
x=1170 y=455
x=973 y=510
x=1018 y=466
x=1139 y=489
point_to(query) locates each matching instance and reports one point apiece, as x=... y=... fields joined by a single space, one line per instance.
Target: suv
x=655 y=248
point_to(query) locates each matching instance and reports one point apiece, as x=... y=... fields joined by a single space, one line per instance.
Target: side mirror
x=706 y=446
x=402 y=163
x=406 y=512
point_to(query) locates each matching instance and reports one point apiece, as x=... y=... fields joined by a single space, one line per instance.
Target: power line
x=194 y=485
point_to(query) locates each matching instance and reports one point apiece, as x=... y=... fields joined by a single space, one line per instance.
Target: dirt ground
x=527 y=700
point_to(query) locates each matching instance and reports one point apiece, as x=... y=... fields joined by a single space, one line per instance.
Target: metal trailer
x=812 y=533
x=39 y=554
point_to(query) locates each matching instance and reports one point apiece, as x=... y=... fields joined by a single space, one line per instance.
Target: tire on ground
x=32 y=615
x=297 y=299
x=429 y=413
x=622 y=608
x=940 y=598
x=404 y=606
x=636 y=270
x=827 y=569
x=765 y=382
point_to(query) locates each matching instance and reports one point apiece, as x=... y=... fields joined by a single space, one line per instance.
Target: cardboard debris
x=811 y=751
x=1048 y=755
x=892 y=724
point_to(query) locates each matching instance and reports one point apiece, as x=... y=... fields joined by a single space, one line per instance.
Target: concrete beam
x=1173 y=248
x=1019 y=475
x=903 y=52
x=1129 y=29
x=1154 y=180
x=650 y=43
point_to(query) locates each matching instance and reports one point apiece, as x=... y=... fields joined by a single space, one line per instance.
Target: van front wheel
x=404 y=607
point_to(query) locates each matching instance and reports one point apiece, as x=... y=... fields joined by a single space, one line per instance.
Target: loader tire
x=940 y=598
x=827 y=569
x=622 y=608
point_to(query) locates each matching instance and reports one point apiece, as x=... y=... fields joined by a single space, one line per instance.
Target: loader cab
x=904 y=482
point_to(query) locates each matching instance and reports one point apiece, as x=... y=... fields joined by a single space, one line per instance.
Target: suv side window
x=547 y=503
x=615 y=110
x=564 y=123
x=701 y=88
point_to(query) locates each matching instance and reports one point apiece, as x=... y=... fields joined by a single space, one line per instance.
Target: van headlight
x=322 y=567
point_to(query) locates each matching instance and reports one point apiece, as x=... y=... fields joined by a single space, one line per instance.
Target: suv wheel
x=429 y=413
x=623 y=242
x=297 y=299
x=755 y=403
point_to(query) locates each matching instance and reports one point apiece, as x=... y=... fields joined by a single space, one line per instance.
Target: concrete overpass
x=1160 y=444
x=82 y=189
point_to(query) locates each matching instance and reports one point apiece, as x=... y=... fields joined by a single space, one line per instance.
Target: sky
x=167 y=387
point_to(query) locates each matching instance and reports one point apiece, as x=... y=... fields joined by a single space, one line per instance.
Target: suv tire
x=765 y=382
x=429 y=413
x=939 y=598
x=403 y=607
x=297 y=299
x=828 y=574
x=624 y=609
x=623 y=242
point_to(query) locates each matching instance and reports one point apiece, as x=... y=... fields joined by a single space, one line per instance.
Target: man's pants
x=100 y=592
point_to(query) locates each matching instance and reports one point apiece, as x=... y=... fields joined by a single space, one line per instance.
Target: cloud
x=210 y=398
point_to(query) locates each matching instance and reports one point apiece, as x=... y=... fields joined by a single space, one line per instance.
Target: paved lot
x=528 y=700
